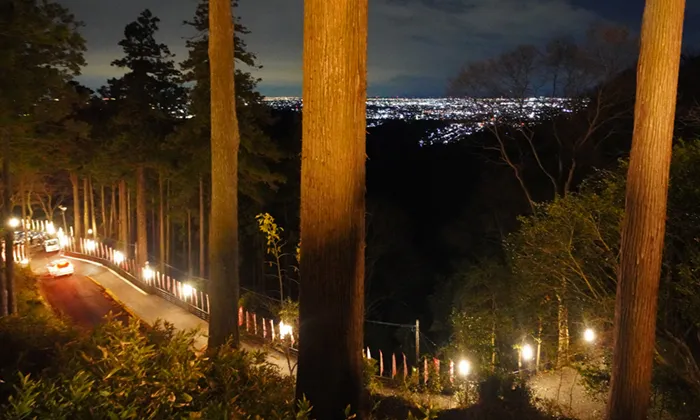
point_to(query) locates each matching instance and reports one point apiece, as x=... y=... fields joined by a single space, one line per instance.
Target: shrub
x=121 y=371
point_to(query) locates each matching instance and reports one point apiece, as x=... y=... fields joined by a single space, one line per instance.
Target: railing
x=182 y=294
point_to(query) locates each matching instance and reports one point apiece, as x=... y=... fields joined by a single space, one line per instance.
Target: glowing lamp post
x=118 y=257
x=187 y=290
x=464 y=368
x=13 y=223
x=50 y=228
x=63 y=215
x=285 y=330
x=589 y=335
x=527 y=353
x=148 y=273
x=90 y=245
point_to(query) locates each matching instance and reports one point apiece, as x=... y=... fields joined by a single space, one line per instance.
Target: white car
x=60 y=268
x=52 y=245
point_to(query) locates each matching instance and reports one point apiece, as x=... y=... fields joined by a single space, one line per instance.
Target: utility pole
x=417 y=342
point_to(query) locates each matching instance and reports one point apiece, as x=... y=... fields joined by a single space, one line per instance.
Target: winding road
x=77 y=297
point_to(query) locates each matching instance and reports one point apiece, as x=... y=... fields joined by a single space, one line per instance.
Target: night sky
x=414 y=45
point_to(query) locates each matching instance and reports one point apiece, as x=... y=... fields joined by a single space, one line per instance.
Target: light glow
x=589 y=335
x=63 y=240
x=118 y=257
x=90 y=245
x=148 y=273
x=25 y=261
x=285 y=330
x=187 y=290
x=50 y=229
x=464 y=368
x=527 y=353
x=89 y=231
x=13 y=222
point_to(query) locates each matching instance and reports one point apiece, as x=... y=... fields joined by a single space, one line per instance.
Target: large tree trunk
x=123 y=218
x=75 y=182
x=645 y=209
x=189 y=242
x=225 y=140
x=141 y=215
x=86 y=204
x=330 y=370
x=9 y=234
x=93 y=217
x=161 y=223
x=167 y=223
x=25 y=203
x=129 y=223
x=563 y=328
x=103 y=210
x=202 y=232
x=112 y=210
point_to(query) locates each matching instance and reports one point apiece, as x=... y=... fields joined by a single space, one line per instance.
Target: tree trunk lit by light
x=75 y=183
x=645 y=209
x=225 y=141
x=141 y=218
x=123 y=218
x=330 y=371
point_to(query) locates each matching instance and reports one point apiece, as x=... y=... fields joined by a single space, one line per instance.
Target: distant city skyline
x=415 y=46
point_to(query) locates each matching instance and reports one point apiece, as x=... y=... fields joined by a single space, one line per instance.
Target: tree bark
x=225 y=141
x=330 y=369
x=75 y=182
x=86 y=205
x=103 y=210
x=563 y=328
x=645 y=209
x=189 y=242
x=161 y=223
x=167 y=223
x=202 y=232
x=123 y=218
x=112 y=210
x=9 y=233
x=129 y=223
x=93 y=217
x=141 y=215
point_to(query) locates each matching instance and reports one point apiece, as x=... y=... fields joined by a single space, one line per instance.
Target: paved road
x=76 y=296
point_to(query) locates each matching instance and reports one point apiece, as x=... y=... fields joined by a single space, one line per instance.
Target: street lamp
x=527 y=353
x=589 y=335
x=464 y=368
x=63 y=214
x=187 y=290
x=13 y=223
x=147 y=272
x=118 y=257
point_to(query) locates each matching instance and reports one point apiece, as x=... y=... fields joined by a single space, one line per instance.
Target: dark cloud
x=414 y=45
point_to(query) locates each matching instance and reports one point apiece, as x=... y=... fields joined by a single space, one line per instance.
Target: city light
x=285 y=330
x=527 y=353
x=589 y=335
x=63 y=241
x=89 y=231
x=148 y=272
x=90 y=245
x=118 y=257
x=25 y=261
x=187 y=290
x=464 y=368
x=13 y=222
x=50 y=229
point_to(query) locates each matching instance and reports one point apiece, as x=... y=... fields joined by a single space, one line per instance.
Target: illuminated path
x=85 y=303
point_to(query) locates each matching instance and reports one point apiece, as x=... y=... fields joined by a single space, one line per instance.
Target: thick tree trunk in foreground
x=330 y=371
x=161 y=223
x=86 y=206
x=645 y=209
x=75 y=182
x=167 y=223
x=103 y=210
x=93 y=217
x=189 y=242
x=123 y=218
x=112 y=209
x=225 y=140
x=141 y=215
x=202 y=232
x=9 y=234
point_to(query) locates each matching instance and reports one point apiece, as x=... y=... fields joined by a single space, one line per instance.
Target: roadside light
x=118 y=257
x=25 y=261
x=147 y=272
x=50 y=229
x=63 y=241
x=464 y=368
x=187 y=290
x=89 y=231
x=90 y=245
x=527 y=353
x=13 y=222
x=285 y=330
x=589 y=335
